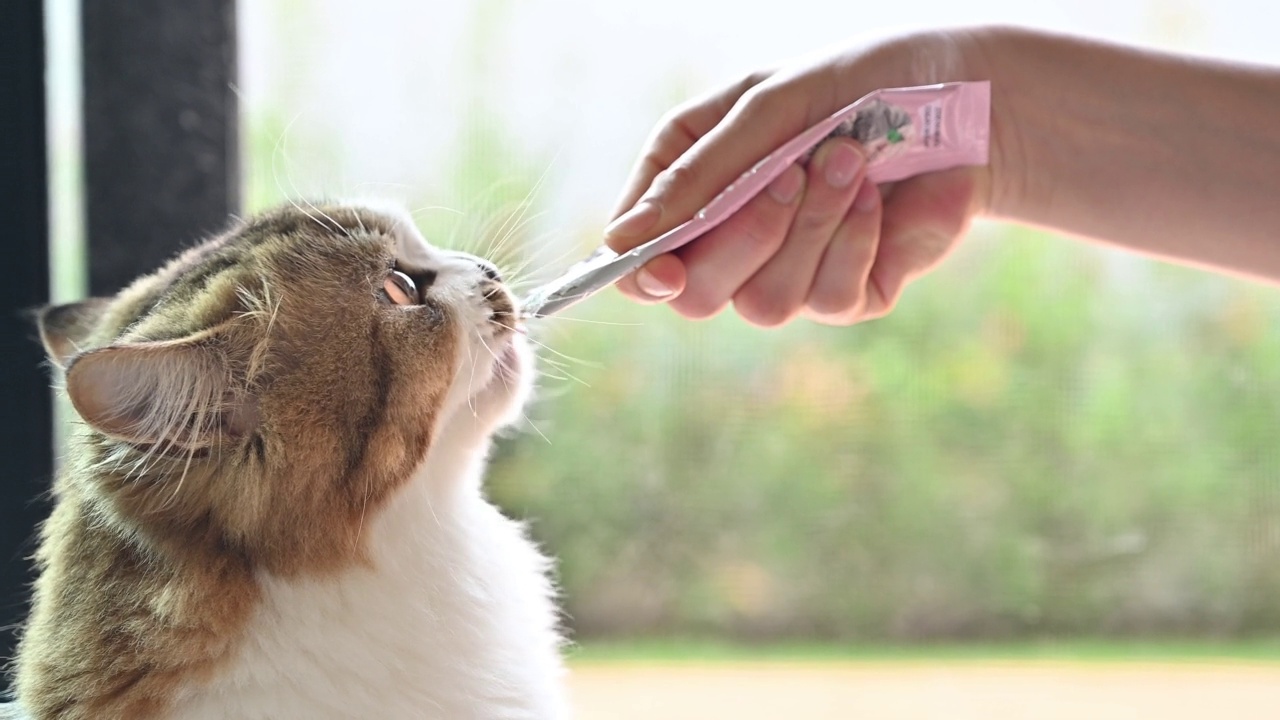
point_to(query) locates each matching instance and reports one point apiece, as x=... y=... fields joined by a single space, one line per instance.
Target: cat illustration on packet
x=886 y=131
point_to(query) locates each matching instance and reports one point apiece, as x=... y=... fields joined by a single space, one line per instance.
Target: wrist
x=970 y=54
x=992 y=53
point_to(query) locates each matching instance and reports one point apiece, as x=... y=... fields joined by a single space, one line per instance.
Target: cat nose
x=490 y=270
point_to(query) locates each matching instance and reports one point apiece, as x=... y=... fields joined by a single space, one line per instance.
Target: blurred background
x=1048 y=450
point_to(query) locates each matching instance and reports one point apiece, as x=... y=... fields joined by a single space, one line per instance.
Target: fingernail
x=841 y=166
x=868 y=197
x=786 y=187
x=651 y=285
x=635 y=221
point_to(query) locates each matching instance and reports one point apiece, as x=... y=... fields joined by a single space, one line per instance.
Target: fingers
x=661 y=279
x=760 y=121
x=887 y=241
x=718 y=263
x=839 y=292
x=836 y=255
x=664 y=277
x=922 y=222
x=778 y=291
x=671 y=138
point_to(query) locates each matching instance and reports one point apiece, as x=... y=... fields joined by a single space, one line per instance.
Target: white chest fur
x=455 y=619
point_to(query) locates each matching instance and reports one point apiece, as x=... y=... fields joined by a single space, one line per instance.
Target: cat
x=272 y=504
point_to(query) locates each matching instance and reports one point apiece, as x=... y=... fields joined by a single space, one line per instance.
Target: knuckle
x=672 y=118
x=673 y=128
x=654 y=160
x=751 y=80
x=759 y=239
x=814 y=221
x=760 y=101
x=677 y=179
x=756 y=100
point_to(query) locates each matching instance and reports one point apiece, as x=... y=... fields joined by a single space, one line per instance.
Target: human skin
x=1170 y=156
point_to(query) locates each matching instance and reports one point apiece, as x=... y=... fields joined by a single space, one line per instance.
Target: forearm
x=1169 y=156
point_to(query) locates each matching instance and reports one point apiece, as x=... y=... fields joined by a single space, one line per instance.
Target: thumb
x=761 y=120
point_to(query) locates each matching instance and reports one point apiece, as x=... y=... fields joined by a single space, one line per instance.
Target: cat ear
x=64 y=329
x=173 y=392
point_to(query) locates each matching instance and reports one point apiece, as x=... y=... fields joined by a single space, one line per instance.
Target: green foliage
x=1043 y=438
x=678 y=650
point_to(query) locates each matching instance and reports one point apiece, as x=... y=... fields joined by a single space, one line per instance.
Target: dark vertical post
x=27 y=408
x=160 y=119
x=161 y=170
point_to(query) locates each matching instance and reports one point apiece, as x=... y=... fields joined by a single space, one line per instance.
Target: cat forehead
x=310 y=238
x=388 y=221
x=320 y=242
x=337 y=224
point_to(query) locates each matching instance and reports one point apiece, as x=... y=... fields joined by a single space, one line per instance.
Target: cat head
x=268 y=389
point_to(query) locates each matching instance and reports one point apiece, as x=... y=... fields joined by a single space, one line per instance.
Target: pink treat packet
x=904 y=131
x=909 y=131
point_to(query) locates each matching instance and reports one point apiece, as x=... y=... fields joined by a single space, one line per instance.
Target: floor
x=914 y=691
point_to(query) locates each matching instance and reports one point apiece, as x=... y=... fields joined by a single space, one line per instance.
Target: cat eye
x=400 y=289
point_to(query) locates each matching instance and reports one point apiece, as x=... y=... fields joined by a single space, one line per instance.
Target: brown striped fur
x=320 y=400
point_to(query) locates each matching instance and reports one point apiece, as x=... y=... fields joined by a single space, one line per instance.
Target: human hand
x=819 y=242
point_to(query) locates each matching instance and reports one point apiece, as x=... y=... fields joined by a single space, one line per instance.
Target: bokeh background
x=1047 y=442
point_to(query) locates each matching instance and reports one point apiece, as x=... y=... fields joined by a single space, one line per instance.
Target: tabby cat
x=272 y=504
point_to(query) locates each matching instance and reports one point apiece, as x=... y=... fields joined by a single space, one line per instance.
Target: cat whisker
x=471 y=402
x=535 y=427
x=563 y=374
x=496 y=359
x=524 y=221
x=551 y=361
x=337 y=227
x=559 y=365
x=516 y=260
x=474 y=208
x=570 y=358
x=510 y=224
x=505 y=383
x=364 y=508
x=528 y=200
x=567 y=377
x=500 y=236
x=566 y=318
x=516 y=218
x=282 y=145
x=550 y=268
x=425 y=208
x=275 y=171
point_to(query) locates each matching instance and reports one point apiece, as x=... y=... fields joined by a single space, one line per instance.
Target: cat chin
x=501 y=399
x=512 y=364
